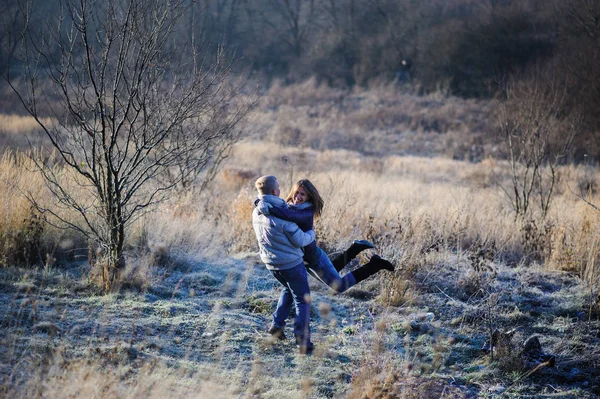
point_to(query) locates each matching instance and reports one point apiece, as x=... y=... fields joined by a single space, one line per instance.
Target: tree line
x=462 y=47
x=468 y=48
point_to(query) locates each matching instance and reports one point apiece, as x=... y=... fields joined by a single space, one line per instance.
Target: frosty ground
x=202 y=325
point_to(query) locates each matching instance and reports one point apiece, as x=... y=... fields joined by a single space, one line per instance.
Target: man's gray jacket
x=280 y=242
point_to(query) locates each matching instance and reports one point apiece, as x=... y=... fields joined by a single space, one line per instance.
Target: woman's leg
x=324 y=271
x=373 y=266
x=352 y=252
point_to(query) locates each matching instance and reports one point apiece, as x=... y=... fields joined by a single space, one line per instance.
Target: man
x=280 y=243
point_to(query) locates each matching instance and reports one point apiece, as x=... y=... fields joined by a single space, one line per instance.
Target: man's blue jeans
x=295 y=290
x=320 y=267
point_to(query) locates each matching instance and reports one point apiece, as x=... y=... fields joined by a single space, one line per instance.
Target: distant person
x=280 y=243
x=304 y=203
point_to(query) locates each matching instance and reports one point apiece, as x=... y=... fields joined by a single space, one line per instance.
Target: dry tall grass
x=25 y=237
x=18 y=124
x=410 y=206
x=21 y=228
x=19 y=132
x=379 y=119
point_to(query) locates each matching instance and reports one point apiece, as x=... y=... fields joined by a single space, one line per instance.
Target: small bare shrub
x=535 y=238
x=537 y=133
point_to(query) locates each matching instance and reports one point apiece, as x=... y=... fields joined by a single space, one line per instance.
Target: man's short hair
x=266 y=184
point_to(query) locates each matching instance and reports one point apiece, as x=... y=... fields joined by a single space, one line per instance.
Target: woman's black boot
x=373 y=266
x=345 y=257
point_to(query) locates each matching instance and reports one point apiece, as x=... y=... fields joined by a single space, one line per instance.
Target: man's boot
x=277 y=333
x=373 y=266
x=345 y=257
x=304 y=347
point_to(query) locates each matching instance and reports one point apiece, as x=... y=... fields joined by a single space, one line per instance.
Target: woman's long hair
x=313 y=195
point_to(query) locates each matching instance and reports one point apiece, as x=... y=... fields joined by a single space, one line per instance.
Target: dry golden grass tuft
x=396 y=291
x=235 y=179
x=17 y=124
x=239 y=213
x=396 y=385
x=92 y=378
x=401 y=374
x=576 y=248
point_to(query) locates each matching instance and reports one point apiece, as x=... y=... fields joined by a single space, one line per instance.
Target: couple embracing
x=286 y=240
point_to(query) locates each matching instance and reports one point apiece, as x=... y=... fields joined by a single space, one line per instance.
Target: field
x=419 y=176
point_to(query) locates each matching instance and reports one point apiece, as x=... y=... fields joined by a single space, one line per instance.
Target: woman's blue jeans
x=320 y=267
x=295 y=290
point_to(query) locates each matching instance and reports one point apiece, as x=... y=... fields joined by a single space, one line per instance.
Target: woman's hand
x=263 y=207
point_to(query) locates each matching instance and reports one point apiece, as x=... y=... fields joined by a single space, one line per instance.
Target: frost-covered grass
x=199 y=333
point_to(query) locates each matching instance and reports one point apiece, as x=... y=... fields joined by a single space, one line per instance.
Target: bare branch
x=130 y=110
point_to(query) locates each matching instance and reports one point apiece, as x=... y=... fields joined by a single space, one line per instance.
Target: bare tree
x=297 y=17
x=9 y=27
x=402 y=20
x=580 y=25
x=578 y=49
x=135 y=116
x=537 y=134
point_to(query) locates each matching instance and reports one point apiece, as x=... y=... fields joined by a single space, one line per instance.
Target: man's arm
x=297 y=237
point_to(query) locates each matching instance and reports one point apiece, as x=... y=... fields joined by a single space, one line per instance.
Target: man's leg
x=281 y=313
x=297 y=282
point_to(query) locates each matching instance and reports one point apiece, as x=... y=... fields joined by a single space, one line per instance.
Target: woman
x=304 y=203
